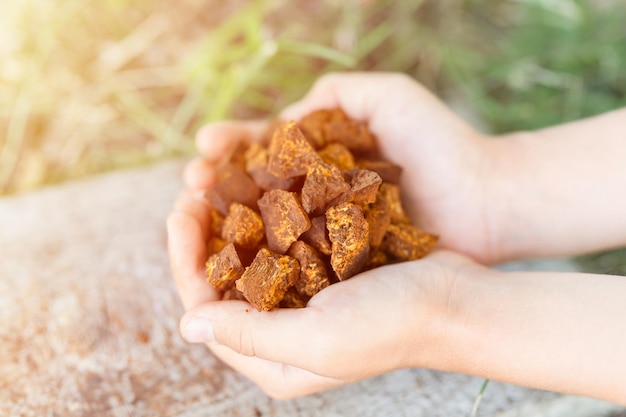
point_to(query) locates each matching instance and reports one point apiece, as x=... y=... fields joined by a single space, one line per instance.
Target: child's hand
x=446 y=177
x=381 y=320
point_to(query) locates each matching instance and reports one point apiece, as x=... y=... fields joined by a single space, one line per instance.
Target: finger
x=193 y=203
x=187 y=255
x=366 y=97
x=252 y=333
x=199 y=174
x=277 y=380
x=359 y=94
x=216 y=141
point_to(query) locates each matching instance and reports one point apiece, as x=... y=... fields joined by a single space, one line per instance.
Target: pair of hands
x=384 y=319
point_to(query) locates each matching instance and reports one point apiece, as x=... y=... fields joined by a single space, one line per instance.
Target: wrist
x=511 y=205
x=456 y=289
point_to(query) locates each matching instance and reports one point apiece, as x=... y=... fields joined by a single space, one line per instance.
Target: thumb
x=280 y=335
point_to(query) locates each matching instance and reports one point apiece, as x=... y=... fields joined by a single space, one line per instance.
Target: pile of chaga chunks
x=311 y=205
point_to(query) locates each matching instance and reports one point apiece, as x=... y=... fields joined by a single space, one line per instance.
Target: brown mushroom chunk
x=237 y=187
x=224 y=268
x=265 y=282
x=289 y=153
x=337 y=154
x=388 y=171
x=349 y=235
x=323 y=183
x=406 y=242
x=243 y=227
x=313 y=274
x=284 y=218
x=378 y=216
x=317 y=235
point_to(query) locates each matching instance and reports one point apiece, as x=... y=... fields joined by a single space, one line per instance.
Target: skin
x=557 y=191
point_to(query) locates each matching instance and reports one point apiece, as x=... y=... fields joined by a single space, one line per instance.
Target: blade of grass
x=317 y=50
x=479 y=398
x=134 y=107
x=15 y=136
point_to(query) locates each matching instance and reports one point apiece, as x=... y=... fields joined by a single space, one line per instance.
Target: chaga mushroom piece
x=349 y=234
x=313 y=127
x=388 y=171
x=323 y=183
x=391 y=193
x=290 y=154
x=364 y=185
x=285 y=219
x=406 y=242
x=265 y=282
x=215 y=245
x=376 y=258
x=313 y=274
x=243 y=227
x=326 y=126
x=338 y=155
x=233 y=293
x=378 y=217
x=257 y=167
x=224 y=268
x=317 y=235
x=216 y=222
x=354 y=135
x=293 y=299
x=236 y=187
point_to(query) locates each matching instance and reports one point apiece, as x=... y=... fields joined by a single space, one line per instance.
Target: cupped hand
x=381 y=320
x=375 y=322
x=447 y=166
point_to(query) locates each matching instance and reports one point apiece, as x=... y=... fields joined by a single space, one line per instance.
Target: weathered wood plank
x=89 y=316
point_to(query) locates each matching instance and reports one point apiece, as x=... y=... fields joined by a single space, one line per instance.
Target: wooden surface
x=89 y=316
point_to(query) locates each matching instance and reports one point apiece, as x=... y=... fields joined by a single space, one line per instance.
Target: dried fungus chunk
x=216 y=222
x=349 y=234
x=237 y=187
x=233 y=293
x=376 y=258
x=265 y=282
x=338 y=155
x=317 y=235
x=257 y=167
x=237 y=155
x=326 y=126
x=255 y=156
x=323 y=183
x=364 y=186
x=406 y=242
x=388 y=171
x=224 y=268
x=293 y=299
x=284 y=218
x=243 y=227
x=289 y=153
x=215 y=245
x=378 y=216
x=268 y=181
x=391 y=193
x=313 y=126
x=353 y=134
x=313 y=274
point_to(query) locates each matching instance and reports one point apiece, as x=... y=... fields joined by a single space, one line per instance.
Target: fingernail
x=198 y=330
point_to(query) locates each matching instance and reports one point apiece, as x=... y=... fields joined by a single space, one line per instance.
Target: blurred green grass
x=90 y=87
x=86 y=88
